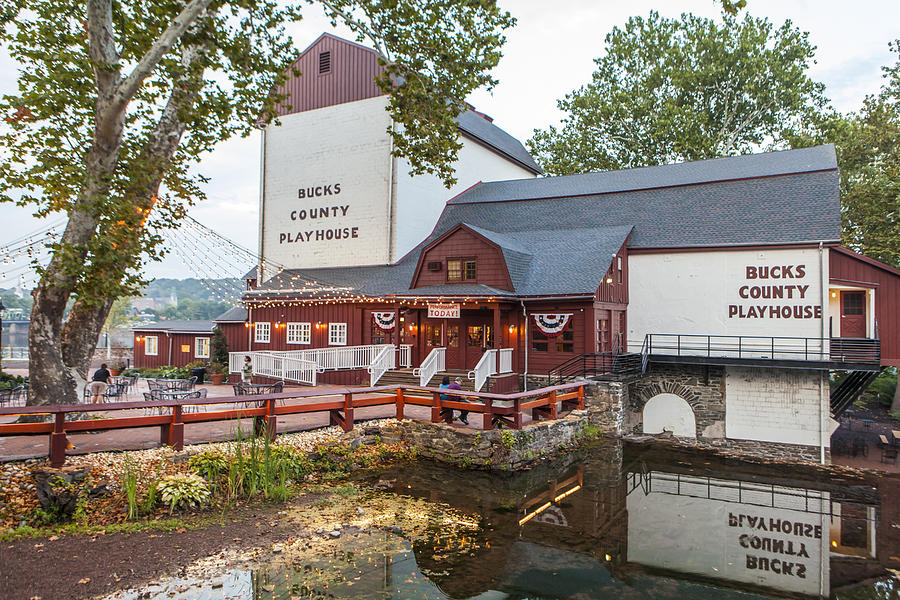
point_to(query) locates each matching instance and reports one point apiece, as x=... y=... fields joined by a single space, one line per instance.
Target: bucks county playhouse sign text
x=780 y=284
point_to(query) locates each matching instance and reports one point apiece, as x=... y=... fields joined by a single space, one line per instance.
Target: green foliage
x=9 y=381
x=130 y=485
x=868 y=149
x=218 y=347
x=507 y=439
x=667 y=90
x=189 y=309
x=183 y=490
x=884 y=386
x=347 y=490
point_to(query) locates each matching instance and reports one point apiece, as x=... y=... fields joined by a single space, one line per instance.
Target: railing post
x=348 y=412
x=552 y=406
x=581 y=397
x=58 y=441
x=487 y=418
x=772 y=351
x=400 y=404
x=435 y=407
x=517 y=413
x=175 y=437
x=678 y=343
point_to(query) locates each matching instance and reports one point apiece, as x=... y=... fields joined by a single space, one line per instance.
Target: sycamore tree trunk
x=59 y=355
x=85 y=321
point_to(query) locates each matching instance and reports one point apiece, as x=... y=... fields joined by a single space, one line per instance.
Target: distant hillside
x=192 y=289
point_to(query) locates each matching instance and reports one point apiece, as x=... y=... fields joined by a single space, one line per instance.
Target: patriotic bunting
x=552 y=324
x=385 y=320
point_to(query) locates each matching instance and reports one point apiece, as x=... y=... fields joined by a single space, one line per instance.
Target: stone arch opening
x=668 y=412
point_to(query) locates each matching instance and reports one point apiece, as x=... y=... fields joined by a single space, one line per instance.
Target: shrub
x=183 y=490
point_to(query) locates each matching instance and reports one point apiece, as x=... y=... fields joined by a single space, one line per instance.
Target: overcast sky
x=547 y=55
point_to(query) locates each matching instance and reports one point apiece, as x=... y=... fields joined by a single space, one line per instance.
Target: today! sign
x=443 y=311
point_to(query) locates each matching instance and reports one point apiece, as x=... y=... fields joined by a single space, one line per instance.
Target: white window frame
x=262 y=332
x=337 y=334
x=299 y=333
x=155 y=339
x=197 y=346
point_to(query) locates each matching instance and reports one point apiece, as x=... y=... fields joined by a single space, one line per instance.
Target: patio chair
x=115 y=391
x=240 y=389
x=11 y=397
x=201 y=393
x=184 y=385
x=157 y=384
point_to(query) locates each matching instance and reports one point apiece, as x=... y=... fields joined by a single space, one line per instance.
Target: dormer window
x=461 y=269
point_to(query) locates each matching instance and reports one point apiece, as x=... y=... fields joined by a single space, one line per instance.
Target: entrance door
x=444 y=333
x=853 y=314
x=479 y=336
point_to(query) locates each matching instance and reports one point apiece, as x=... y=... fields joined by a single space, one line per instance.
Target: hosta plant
x=183 y=490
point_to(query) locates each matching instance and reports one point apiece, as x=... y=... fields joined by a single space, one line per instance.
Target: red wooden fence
x=506 y=409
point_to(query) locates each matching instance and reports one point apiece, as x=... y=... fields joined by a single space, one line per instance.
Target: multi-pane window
x=337 y=334
x=539 y=340
x=263 y=332
x=201 y=347
x=433 y=335
x=854 y=303
x=379 y=335
x=299 y=333
x=459 y=269
x=469 y=270
x=565 y=342
x=151 y=345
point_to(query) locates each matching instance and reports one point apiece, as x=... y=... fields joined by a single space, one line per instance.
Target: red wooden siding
x=167 y=342
x=490 y=267
x=849 y=267
x=236 y=336
x=616 y=291
x=582 y=328
x=351 y=77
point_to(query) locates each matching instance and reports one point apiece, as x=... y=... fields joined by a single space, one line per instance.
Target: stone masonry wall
x=703 y=388
x=496 y=450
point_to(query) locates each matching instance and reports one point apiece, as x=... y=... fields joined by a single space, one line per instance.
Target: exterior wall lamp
x=512 y=329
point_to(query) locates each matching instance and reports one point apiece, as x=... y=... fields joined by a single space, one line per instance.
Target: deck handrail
x=835 y=349
x=496 y=409
x=383 y=362
x=434 y=363
x=486 y=367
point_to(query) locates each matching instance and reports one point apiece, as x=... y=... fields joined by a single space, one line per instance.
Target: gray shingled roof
x=475 y=125
x=558 y=235
x=193 y=326
x=236 y=314
x=767 y=164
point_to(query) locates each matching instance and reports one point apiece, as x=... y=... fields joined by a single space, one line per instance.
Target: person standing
x=247 y=370
x=457 y=385
x=99 y=383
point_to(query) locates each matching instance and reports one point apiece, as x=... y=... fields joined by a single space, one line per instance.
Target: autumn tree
x=669 y=90
x=116 y=102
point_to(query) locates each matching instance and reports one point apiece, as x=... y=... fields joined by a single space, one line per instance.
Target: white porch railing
x=404 y=356
x=492 y=362
x=384 y=361
x=433 y=363
x=270 y=364
x=486 y=367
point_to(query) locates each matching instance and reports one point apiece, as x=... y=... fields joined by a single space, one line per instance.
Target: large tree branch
x=102 y=47
x=130 y=85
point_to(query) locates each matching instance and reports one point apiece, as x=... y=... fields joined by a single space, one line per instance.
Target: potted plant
x=116 y=369
x=216 y=372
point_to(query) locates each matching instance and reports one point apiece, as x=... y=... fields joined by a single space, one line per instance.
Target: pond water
x=615 y=521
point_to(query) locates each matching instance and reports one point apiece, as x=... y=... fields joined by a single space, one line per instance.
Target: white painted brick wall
x=346 y=144
x=776 y=405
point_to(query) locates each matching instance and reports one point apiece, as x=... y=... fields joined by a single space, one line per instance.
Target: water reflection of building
x=645 y=521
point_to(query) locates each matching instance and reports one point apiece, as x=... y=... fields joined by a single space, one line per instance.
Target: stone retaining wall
x=702 y=387
x=496 y=450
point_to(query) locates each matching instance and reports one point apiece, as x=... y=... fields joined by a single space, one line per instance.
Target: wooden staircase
x=406 y=377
